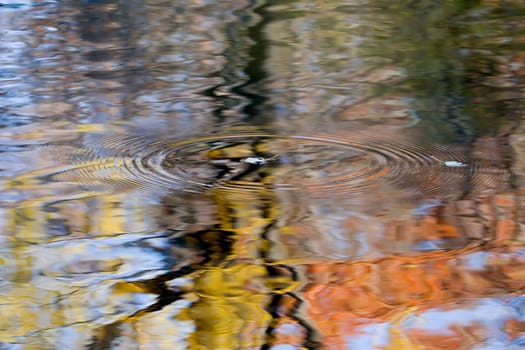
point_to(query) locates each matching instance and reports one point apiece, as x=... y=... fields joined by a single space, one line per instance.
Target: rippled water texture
x=262 y=175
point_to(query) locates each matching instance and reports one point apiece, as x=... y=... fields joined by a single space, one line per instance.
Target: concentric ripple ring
x=324 y=164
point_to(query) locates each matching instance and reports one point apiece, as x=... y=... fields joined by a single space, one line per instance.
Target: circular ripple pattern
x=315 y=163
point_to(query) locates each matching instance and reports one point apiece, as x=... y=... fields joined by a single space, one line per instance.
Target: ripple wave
x=320 y=164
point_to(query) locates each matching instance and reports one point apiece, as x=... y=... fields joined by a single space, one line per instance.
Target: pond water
x=262 y=174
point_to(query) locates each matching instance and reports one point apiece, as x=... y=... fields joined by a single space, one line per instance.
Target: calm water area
x=270 y=174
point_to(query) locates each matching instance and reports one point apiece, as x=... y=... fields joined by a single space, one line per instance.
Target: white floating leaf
x=453 y=163
x=254 y=160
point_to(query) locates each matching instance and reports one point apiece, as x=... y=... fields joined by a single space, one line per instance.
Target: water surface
x=262 y=175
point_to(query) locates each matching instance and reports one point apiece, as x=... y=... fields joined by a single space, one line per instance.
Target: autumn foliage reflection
x=342 y=298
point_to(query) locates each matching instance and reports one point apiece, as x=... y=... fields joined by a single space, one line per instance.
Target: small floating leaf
x=254 y=160
x=450 y=163
x=453 y=163
x=259 y=160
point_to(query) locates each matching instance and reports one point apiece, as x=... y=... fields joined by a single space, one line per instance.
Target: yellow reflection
x=230 y=313
x=233 y=297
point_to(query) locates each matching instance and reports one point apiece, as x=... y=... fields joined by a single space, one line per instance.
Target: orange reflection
x=344 y=297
